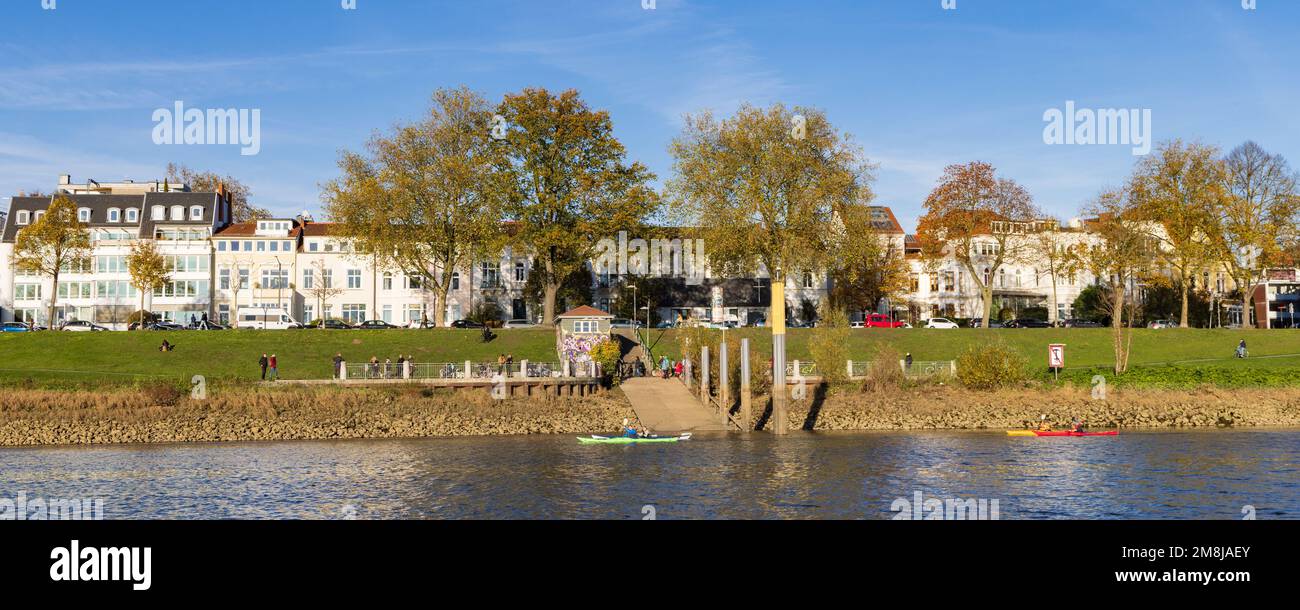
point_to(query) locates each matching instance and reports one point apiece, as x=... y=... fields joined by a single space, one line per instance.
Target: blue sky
x=919 y=87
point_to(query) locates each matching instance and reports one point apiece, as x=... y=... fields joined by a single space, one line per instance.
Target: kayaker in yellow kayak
x=1044 y=425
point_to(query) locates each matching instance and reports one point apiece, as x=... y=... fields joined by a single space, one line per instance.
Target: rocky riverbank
x=164 y=415
x=941 y=407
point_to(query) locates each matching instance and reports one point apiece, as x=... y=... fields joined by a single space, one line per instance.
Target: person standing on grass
x=263 y=362
x=338 y=365
x=275 y=373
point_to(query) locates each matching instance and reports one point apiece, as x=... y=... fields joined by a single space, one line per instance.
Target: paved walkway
x=665 y=405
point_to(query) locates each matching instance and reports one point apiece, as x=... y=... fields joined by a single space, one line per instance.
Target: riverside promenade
x=667 y=406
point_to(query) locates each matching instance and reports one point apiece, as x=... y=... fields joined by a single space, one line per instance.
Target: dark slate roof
x=100 y=204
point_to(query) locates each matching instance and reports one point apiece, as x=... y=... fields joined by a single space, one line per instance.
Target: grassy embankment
x=1181 y=358
x=1159 y=358
x=51 y=359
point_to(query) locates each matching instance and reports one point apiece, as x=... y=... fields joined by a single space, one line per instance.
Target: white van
x=266 y=318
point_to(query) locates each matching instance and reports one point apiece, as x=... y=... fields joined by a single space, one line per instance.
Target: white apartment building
x=180 y=222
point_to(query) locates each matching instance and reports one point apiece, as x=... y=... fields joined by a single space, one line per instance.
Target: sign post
x=1056 y=359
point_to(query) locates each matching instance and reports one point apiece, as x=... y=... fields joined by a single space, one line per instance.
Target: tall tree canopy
x=980 y=220
x=1257 y=219
x=570 y=183
x=429 y=198
x=1176 y=192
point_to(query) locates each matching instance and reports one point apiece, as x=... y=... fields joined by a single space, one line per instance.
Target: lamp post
x=279 y=283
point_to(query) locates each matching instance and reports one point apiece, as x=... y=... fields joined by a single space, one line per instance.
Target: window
x=307 y=312
x=196 y=212
x=327 y=278
x=311 y=246
x=388 y=281
x=178 y=212
x=286 y=246
x=223 y=314
x=115 y=289
x=27 y=292
x=243 y=279
x=354 y=313
x=415 y=282
x=75 y=290
x=415 y=313
x=157 y=213
x=586 y=326
x=186 y=263
x=132 y=215
x=455 y=281
x=184 y=288
x=221 y=246
x=354 y=278
x=248 y=246
x=23 y=217
x=489 y=275
x=275 y=278
x=307 y=280
x=387 y=314
x=37 y=216
x=916 y=282
x=111 y=264
x=934 y=282
x=807 y=279
x=84 y=265
x=83 y=215
x=521 y=272
x=261 y=246
x=223 y=279
x=275 y=246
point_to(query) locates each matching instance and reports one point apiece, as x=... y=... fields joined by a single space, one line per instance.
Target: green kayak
x=626 y=440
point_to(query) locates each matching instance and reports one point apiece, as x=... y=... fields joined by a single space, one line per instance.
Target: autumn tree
x=241 y=210
x=570 y=184
x=53 y=243
x=148 y=271
x=1257 y=219
x=775 y=188
x=1176 y=192
x=870 y=270
x=980 y=221
x=427 y=199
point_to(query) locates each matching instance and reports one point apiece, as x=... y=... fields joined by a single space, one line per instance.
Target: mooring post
x=724 y=388
x=523 y=368
x=704 y=375
x=469 y=371
x=745 y=399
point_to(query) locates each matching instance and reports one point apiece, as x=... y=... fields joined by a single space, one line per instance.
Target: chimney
x=65 y=179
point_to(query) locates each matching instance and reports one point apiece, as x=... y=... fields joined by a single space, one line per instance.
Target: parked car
x=857 y=324
x=979 y=323
x=375 y=325
x=940 y=323
x=466 y=324
x=625 y=323
x=1077 y=323
x=15 y=327
x=164 y=326
x=518 y=323
x=1027 y=323
x=801 y=324
x=82 y=326
x=1163 y=324
x=880 y=320
x=666 y=324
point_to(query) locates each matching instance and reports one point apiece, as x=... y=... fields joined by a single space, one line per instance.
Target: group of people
x=271 y=365
x=504 y=363
x=386 y=369
x=669 y=369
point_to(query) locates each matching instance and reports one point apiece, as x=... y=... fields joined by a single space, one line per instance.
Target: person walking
x=263 y=362
x=338 y=365
x=907 y=361
x=1241 y=349
x=275 y=368
x=664 y=365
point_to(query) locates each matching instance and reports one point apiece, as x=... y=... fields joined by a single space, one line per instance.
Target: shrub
x=990 y=366
x=607 y=354
x=883 y=372
x=829 y=345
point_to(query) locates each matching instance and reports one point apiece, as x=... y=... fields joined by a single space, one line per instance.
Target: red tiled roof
x=585 y=311
x=249 y=229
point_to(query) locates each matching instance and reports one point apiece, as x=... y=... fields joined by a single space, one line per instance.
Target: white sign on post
x=1056 y=357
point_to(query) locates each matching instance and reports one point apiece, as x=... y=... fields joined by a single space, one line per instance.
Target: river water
x=1156 y=475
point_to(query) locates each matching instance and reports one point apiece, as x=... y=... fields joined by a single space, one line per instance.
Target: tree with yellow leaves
x=53 y=243
x=148 y=270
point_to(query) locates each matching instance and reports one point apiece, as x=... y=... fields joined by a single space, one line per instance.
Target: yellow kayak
x=1021 y=433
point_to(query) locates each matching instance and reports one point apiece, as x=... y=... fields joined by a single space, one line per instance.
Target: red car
x=880 y=320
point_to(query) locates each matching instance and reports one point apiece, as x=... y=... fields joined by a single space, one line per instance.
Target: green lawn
x=1085 y=347
x=117 y=357
x=109 y=357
